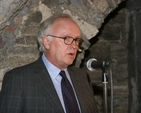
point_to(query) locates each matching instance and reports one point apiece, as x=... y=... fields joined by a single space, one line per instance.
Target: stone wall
x=111 y=44
x=103 y=33
x=134 y=55
x=20 y=19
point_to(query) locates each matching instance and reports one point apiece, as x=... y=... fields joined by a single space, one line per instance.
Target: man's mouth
x=72 y=55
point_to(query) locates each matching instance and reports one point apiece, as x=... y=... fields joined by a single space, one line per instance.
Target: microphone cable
x=112 y=94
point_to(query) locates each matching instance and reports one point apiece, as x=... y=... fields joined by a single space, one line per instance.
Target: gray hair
x=43 y=30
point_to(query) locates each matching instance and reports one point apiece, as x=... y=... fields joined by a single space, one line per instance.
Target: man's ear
x=46 y=42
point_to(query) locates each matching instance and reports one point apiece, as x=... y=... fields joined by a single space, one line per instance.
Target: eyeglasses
x=68 y=40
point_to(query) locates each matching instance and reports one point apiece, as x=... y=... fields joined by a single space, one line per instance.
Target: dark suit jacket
x=29 y=89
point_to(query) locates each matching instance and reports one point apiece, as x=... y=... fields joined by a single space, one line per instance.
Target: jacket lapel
x=78 y=81
x=83 y=91
x=44 y=83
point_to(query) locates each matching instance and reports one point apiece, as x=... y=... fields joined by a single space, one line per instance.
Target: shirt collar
x=52 y=69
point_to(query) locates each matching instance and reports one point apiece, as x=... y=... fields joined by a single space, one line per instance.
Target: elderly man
x=50 y=84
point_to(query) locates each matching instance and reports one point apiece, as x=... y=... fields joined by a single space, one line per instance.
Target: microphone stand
x=105 y=89
x=92 y=65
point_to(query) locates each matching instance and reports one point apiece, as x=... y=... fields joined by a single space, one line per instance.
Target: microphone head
x=93 y=64
x=89 y=64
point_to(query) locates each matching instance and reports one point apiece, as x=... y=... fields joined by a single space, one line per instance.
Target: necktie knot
x=62 y=73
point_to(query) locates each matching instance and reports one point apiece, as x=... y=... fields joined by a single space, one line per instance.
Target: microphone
x=79 y=50
x=93 y=64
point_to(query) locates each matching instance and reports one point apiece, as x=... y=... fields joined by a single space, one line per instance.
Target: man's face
x=57 y=52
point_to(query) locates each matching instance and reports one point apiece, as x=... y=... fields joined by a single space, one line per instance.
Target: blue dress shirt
x=56 y=79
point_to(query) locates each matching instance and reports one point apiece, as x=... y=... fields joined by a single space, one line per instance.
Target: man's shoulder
x=25 y=68
x=77 y=69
